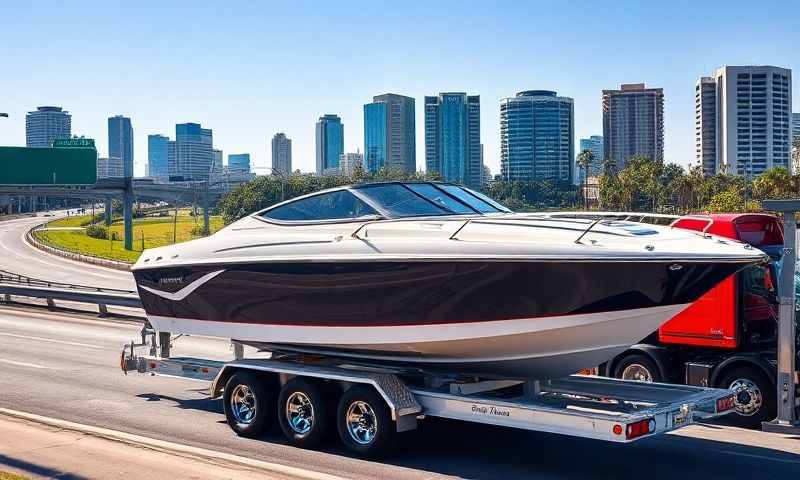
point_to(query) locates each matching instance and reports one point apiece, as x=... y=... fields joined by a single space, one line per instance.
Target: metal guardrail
x=12 y=284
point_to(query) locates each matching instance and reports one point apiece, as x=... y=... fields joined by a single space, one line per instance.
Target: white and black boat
x=434 y=275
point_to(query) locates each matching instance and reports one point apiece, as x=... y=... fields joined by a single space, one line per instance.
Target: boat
x=433 y=276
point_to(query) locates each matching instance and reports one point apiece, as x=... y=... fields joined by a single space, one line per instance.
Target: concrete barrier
x=79 y=257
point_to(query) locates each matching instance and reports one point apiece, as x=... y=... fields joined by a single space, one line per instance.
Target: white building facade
x=743 y=120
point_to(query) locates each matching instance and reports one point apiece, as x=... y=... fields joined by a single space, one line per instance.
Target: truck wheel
x=754 y=396
x=249 y=404
x=304 y=413
x=637 y=367
x=364 y=422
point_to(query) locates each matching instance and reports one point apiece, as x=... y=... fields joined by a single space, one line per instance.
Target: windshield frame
x=357 y=190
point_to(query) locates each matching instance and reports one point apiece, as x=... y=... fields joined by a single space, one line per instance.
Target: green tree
x=774 y=183
x=727 y=201
x=584 y=160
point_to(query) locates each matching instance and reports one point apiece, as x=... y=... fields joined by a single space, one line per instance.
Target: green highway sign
x=48 y=166
x=73 y=143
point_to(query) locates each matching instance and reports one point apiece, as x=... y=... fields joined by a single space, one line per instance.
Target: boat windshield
x=426 y=199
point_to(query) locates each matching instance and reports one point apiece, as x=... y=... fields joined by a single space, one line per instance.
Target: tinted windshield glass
x=440 y=198
x=468 y=198
x=327 y=206
x=399 y=201
x=488 y=200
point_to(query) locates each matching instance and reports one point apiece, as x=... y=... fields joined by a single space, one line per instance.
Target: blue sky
x=250 y=69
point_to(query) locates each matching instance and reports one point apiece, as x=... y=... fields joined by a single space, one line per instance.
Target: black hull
x=419 y=293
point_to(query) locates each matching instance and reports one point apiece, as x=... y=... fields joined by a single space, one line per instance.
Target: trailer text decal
x=490 y=410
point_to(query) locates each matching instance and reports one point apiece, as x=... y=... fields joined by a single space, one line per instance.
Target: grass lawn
x=11 y=476
x=71 y=221
x=148 y=232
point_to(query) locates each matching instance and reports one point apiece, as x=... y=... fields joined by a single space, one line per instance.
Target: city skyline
x=599 y=55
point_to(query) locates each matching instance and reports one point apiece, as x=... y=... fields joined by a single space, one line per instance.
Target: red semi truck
x=727 y=338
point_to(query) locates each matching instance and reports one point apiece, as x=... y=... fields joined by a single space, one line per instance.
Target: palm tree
x=585 y=158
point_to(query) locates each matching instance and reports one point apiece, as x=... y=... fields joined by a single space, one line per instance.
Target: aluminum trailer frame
x=582 y=406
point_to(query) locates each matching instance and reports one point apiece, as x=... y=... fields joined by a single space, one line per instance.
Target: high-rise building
x=595 y=145
x=193 y=146
x=796 y=126
x=157 y=156
x=537 y=137
x=216 y=162
x=705 y=124
x=239 y=162
x=633 y=123
x=453 y=138
x=120 y=142
x=743 y=119
x=349 y=162
x=45 y=125
x=389 y=134
x=172 y=158
x=330 y=143
x=281 y=154
x=110 y=167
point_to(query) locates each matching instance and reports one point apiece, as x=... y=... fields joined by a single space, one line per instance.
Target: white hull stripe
x=641 y=319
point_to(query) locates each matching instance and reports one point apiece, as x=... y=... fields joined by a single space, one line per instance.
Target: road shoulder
x=48 y=448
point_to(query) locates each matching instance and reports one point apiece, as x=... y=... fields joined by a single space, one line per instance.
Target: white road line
x=25 y=364
x=762 y=457
x=62 y=264
x=68 y=264
x=51 y=340
x=170 y=447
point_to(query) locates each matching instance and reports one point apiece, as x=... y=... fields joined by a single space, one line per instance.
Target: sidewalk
x=40 y=451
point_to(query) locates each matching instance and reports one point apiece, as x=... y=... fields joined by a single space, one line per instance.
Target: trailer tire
x=637 y=367
x=249 y=403
x=365 y=423
x=310 y=422
x=755 y=396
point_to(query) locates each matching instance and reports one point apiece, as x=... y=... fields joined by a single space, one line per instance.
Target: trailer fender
x=227 y=371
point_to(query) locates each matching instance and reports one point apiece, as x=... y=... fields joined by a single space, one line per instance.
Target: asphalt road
x=19 y=257
x=65 y=366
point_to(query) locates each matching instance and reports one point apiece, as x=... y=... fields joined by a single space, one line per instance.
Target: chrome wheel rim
x=362 y=424
x=748 y=398
x=243 y=404
x=637 y=372
x=299 y=412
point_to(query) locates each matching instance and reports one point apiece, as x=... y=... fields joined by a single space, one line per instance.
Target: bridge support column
x=33 y=204
x=206 y=227
x=109 y=211
x=127 y=216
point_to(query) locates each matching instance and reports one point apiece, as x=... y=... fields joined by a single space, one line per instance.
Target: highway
x=65 y=365
x=20 y=257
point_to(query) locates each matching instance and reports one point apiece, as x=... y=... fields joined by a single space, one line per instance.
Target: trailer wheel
x=304 y=413
x=364 y=422
x=637 y=367
x=755 y=396
x=249 y=404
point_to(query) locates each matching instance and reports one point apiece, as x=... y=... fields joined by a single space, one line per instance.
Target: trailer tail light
x=726 y=403
x=640 y=428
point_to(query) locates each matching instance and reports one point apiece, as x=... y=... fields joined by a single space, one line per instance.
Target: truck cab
x=728 y=337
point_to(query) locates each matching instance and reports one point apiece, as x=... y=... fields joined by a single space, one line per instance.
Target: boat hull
x=532 y=319
x=531 y=348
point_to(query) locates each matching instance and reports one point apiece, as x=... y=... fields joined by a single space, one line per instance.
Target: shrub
x=199 y=231
x=97 y=231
